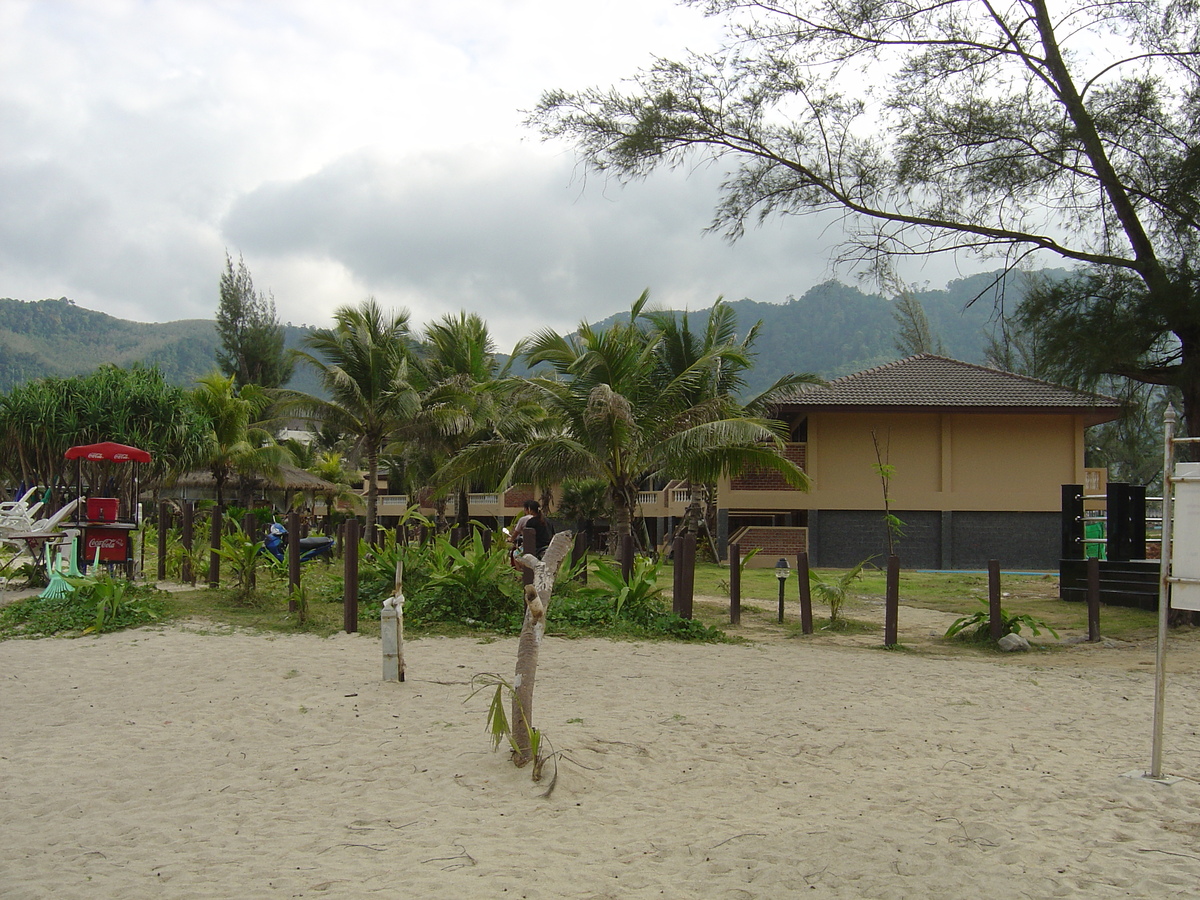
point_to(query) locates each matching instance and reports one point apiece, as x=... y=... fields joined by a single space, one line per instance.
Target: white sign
x=1185 y=537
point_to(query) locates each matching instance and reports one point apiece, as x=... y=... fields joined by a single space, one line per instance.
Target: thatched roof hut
x=200 y=483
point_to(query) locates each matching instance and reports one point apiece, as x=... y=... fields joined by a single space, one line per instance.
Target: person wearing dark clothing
x=541 y=528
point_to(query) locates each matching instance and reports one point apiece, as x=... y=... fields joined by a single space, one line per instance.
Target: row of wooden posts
x=683 y=593
x=891 y=596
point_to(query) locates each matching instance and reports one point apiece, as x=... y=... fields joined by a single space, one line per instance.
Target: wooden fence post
x=735 y=584
x=293 y=559
x=806 y=619
x=995 y=619
x=187 y=537
x=164 y=524
x=214 y=558
x=891 y=607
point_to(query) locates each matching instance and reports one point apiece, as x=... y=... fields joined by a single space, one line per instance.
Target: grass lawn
x=954 y=593
x=951 y=594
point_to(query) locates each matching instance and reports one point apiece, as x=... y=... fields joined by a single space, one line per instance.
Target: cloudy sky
x=347 y=149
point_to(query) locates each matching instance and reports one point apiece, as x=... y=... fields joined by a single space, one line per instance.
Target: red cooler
x=102 y=509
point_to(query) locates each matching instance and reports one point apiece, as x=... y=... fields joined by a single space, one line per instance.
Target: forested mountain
x=832 y=329
x=56 y=337
x=835 y=329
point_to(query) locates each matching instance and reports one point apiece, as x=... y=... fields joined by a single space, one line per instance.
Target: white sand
x=173 y=763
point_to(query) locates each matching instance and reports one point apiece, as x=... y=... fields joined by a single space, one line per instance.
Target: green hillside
x=58 y=338
x=832 y=329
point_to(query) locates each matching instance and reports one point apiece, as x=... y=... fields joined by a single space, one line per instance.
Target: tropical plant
x=893 y=525
x=363 y=363
x=40 y=420
x=835 y=590
x=234 y=444
x=635 y=597
x=471 y=586
x=98 y=604
x=499 y=728
x=617 y=413
x=464 y=397
x=977 y=626
x=243 y=556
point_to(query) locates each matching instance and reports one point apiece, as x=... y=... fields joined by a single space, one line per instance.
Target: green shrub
x=471 y=586
x=97 y=604
x=978 y=625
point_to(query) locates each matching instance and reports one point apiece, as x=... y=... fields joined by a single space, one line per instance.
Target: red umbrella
x=107 y=450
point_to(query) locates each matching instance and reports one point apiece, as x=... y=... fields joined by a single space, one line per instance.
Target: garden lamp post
x=782 y=572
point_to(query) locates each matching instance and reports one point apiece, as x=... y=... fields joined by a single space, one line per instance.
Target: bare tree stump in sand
x=537 y=602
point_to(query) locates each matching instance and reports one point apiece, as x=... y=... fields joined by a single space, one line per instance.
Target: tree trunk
x=537 y=602
x=372 y=489
x=463 y=519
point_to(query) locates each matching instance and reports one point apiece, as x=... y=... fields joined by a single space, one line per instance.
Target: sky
x=351 y=149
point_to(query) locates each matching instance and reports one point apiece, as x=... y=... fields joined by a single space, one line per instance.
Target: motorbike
x=276 y=542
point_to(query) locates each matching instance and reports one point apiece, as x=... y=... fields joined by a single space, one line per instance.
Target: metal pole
x=1164 y=594
x=1093 y=599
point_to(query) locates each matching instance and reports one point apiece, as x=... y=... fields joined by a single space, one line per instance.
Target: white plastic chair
x=50 y=523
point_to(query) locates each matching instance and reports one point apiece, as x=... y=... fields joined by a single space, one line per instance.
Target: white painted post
x=391 y=629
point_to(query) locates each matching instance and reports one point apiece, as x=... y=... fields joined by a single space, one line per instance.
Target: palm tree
x=724 y=359
x=363 y=362
x=463 y=400
x=624 y=416
x=233 y=444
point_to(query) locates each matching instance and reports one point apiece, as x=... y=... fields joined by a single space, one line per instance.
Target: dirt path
x=921 y=631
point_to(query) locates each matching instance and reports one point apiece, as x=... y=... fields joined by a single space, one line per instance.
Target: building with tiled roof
x=978 y=458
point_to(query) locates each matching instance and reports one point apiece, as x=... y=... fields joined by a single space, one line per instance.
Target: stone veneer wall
x=937 y=540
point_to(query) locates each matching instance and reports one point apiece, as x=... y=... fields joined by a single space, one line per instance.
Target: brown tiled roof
x=927 y=382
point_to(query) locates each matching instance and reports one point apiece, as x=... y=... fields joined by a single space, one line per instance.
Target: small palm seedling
x=500 y=729
x=834 y=591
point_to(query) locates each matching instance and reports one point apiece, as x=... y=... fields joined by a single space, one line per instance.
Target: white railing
x=392 y=501
x=473 y=501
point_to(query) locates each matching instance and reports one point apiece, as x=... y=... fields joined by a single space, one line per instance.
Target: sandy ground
x=182 y=762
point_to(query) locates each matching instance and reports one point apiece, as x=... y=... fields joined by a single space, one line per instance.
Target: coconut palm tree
x=364 y=363
x=467 y=398
x=233 y=443
x=623 y=416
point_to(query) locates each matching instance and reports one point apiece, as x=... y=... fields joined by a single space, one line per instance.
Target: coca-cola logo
x=110 y=543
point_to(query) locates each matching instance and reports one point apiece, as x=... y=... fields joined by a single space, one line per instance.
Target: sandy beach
x=179 y=762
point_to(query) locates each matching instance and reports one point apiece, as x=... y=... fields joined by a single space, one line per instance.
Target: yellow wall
x=947 y=461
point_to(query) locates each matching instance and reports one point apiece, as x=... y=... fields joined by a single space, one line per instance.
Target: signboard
x=113 y=544
x=1185 y=537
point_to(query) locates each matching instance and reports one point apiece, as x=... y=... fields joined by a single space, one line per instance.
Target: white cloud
x=346 y=149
